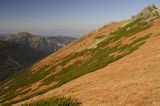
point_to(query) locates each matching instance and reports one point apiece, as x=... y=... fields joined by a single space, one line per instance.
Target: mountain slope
x=96 y=50
x=25 y=49
x=14 y=57
x=32 y=79
x=133 y=80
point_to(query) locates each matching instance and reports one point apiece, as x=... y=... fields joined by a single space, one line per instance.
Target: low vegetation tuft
x=57 y=101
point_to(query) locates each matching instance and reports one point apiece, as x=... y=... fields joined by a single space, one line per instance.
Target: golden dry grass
x=131 y=81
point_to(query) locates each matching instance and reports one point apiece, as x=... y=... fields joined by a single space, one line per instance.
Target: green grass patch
x=25 y=79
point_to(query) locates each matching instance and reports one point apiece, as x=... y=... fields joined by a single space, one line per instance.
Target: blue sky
x=67 y=17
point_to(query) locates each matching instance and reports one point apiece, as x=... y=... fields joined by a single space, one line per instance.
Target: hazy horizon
x=61 y=17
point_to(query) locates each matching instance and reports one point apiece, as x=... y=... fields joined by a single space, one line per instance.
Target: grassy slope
x=100 y=55
x=133 y=80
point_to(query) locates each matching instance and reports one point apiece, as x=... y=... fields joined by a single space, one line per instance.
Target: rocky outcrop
x=149 y=13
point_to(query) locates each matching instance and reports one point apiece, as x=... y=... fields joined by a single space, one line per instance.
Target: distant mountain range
x=46 y=44
x=23 y=49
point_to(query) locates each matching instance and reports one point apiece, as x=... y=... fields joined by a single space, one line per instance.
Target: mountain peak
x=24 y=33
x=149 y=13
x=151 y=7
